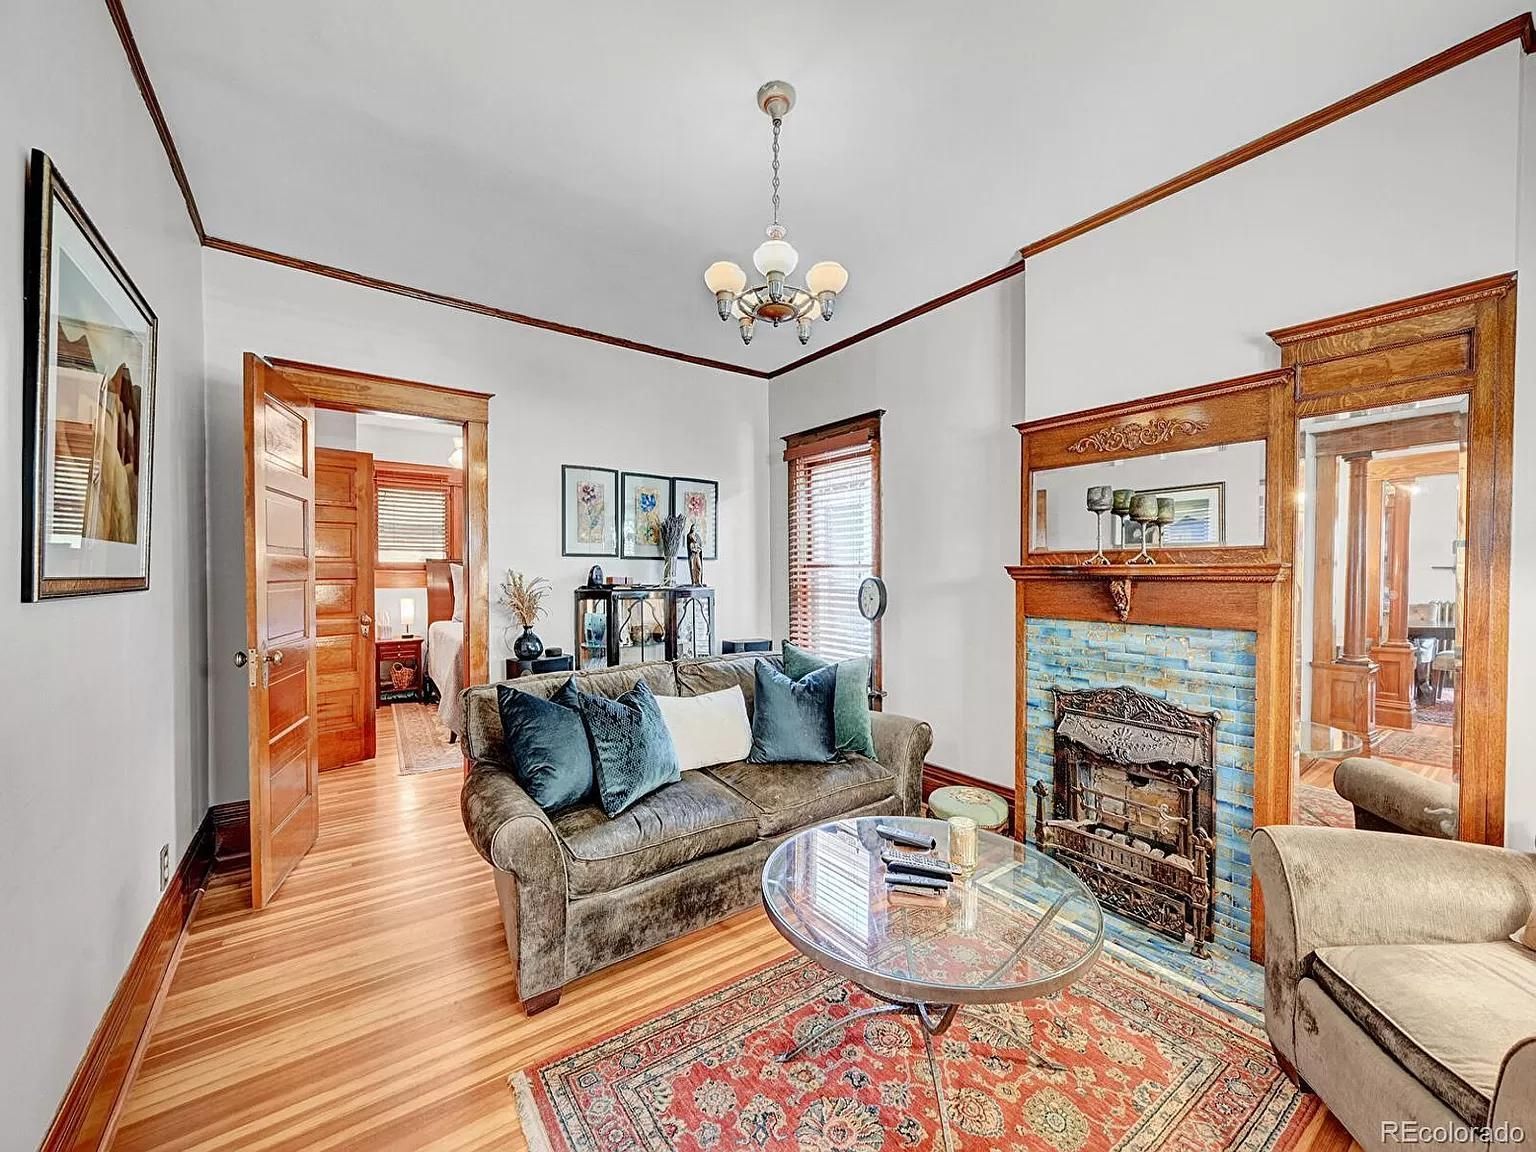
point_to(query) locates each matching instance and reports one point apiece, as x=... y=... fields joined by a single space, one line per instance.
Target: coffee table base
x=933 y=1020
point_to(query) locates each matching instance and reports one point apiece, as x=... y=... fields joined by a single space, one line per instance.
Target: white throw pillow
x=709 y=729
x=456 y=578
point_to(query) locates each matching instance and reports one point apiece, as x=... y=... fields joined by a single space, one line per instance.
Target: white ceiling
x=583 y=162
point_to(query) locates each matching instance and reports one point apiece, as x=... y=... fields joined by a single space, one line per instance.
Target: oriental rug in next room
x=1148 y=1069
x=425 y=745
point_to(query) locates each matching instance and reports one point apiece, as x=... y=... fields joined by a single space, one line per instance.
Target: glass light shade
x=775 y=256
x=826 y=276
x=724 y=276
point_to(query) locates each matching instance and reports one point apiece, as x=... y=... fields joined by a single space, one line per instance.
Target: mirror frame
x=1233 y=411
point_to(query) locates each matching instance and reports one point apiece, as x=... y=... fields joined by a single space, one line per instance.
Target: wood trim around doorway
x=1458 y=341
x=348 y=391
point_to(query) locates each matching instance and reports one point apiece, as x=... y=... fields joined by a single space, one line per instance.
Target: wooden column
x=1396 y=656
x=1356 y=612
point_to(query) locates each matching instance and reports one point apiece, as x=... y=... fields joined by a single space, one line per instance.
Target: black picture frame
x=568 y=545
x=680 y=486
x=102 y=523
x=628 y=528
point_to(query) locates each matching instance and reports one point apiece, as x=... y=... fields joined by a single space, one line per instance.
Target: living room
x=1286 y=241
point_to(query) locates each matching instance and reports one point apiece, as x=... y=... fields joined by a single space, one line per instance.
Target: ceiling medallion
x=775 y=301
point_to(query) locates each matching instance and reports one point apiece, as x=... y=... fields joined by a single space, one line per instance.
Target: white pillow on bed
x=709 y=729
x=456 y=578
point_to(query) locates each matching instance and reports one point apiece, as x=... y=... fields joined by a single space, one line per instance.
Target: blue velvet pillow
x=850 y=709
x=632 y=749
x=546 y=743
x=792 y=720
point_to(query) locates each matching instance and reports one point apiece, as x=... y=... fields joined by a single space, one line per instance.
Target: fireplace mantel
x=1120 y=581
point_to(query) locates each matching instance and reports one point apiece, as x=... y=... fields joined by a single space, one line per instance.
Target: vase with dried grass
x=524 y=599
x=670 y=532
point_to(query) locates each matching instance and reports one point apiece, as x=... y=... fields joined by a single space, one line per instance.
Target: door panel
x=279 y=625
x=345 y=526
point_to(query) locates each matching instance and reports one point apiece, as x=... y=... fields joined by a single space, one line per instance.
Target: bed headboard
x=439 y=592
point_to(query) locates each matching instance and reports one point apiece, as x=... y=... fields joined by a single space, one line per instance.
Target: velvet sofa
x=579 y=891
x=1391 y=985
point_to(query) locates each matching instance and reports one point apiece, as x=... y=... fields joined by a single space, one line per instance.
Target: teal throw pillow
x=850 y=711
x=632 y=750
x=792 y=719
x=546 y=744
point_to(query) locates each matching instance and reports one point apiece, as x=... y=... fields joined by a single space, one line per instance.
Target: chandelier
x=775 y=300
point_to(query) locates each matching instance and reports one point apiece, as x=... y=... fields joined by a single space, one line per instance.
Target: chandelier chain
x=777 y=124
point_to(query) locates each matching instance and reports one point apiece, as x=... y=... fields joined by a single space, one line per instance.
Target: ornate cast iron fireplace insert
x=1132 y=809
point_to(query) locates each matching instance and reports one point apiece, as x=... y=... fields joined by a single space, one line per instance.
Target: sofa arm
x=516 y=837
x=1514 y=1100
x=901 y=744
x=1330 y=886
x=1391 y=798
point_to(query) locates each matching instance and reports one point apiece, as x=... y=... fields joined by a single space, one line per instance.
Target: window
x=834 y=537
x=413 y=524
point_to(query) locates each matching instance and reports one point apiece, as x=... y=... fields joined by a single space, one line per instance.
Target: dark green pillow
x=850 y=711
x=792 y=719
x=546 y=744
x=632 y=751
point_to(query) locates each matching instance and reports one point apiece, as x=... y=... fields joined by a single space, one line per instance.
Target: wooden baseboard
x=936 y=776
x=87 y=1117
x=231 y=834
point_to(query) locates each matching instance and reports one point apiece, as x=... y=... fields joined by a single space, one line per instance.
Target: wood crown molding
x=1518 y=28
x=1484 y=289
x=1117 y=412
x=93 y=1103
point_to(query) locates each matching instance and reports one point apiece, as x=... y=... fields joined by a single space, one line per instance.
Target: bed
x=445 y=640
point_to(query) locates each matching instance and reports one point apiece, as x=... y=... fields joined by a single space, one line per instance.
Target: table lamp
x=407 y=615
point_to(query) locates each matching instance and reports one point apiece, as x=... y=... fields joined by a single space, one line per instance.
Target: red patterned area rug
x=1147 y=1069
x=1323 y=807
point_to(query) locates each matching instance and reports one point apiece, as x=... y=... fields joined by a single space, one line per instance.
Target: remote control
x=918 y=864
x=905 y=838
x=903 y=895
x=916 y=880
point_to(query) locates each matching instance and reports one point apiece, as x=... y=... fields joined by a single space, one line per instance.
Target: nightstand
x=406 y=683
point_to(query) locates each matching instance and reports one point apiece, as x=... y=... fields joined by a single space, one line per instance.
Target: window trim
x=395 y=474
x=824 y=439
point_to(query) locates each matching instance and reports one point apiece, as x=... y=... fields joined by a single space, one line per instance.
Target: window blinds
x=832 y=508
x=413 y=524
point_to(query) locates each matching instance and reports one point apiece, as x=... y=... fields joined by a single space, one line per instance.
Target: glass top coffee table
x=1018 y=926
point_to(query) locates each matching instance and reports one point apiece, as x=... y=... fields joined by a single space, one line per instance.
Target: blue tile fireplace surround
x=1195 y=668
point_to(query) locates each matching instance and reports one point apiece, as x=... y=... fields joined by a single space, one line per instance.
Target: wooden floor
x=371 y=1005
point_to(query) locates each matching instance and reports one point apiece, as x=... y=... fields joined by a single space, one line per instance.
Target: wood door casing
x=280 y=625
x=345 y=527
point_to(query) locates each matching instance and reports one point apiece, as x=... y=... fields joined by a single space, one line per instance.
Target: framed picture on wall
x=646 y=501
x=589 y=511
x=88 y=404
x=698 y=502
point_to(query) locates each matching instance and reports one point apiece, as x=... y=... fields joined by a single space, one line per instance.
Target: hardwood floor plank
x=372 y=1004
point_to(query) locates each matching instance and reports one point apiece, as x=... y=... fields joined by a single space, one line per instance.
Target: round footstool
x=988 y=809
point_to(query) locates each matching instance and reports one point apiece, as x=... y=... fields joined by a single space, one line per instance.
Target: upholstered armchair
x=1392 y=987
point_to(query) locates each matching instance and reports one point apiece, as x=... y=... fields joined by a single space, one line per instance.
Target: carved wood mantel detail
x=1128 y=437
x=1120 y=597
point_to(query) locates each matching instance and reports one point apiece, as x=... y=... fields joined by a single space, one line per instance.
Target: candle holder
x=1120 y=508
x=1144 y=513
x=1099 y=502
x=1165 y=516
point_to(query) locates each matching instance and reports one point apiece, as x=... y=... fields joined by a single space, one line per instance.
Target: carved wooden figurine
x=695 y=556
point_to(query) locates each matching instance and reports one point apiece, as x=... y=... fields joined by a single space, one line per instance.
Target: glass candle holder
x=962 y=842
x=1165 y=516
x=1143 y=512
x=1099 y=502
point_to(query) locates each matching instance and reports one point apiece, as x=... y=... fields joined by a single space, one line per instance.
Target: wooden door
x=345 y=527
x=279 y=624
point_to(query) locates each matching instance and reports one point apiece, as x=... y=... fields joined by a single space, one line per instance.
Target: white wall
x=103 y=706
x=1413 y=194
x=1432 y=519
x=952 y=385
x=557 y=401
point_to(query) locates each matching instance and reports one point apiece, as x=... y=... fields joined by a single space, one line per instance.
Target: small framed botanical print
x=646 y=501
x=589 y=511
x=698 y=502
x=88 y=404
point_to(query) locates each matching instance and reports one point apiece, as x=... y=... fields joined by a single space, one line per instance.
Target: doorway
x=307 y=530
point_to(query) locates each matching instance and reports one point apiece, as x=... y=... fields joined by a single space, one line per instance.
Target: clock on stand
x=872 y=601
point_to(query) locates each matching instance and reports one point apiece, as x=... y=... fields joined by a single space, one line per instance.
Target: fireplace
x=1131 y=805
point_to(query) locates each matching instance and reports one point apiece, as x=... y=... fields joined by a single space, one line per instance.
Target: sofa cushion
x=694 y=818
x=850 y=705
x=1447 y=1013
x=789 y=796
x=709 y=729
x=695 y=677
x=632 y=751
x=793 y=722
x=546 y=743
